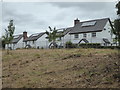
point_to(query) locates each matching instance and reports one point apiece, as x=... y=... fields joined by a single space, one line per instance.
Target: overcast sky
x=35 y=17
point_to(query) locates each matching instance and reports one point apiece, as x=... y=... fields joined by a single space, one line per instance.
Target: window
x=33 y=42
x=84 y=35
x=94 y=34
x=104 y=28
x=25 y=42
x=90 y=23
x=76 y=35
x=59 y=38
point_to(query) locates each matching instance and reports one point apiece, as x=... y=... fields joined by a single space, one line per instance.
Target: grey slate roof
x=99 y=26
x=34 y=38
x=65 y=31
x=15 y=40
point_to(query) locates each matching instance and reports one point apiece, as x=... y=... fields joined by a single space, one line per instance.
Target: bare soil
x=61 y=68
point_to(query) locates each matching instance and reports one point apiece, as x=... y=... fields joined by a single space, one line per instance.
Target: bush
x=111 y=47
x=90 y=45
x=18 y=48
x=69 y=44
x=97 y=45
x=42 y=47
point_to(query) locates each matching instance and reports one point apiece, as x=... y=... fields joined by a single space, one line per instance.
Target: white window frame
x=76 y=36
x=84 y=35
x=94 y=34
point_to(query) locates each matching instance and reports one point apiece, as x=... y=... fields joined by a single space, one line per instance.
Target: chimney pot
x=25 y=35
x=76 y=21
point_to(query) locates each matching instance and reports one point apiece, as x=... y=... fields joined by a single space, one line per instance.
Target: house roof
x=16 y=38
x=90 y=26
x=67 y=30
x=64 y=31
x=106 y=40
x=34 y=37
x=86 y=41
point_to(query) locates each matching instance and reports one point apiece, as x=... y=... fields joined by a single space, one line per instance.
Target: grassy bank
x=73 y=68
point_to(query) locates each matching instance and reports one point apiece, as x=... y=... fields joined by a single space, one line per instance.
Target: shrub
x=42 y=47
x=69 y=44
x=17 y=48
x=90 y=45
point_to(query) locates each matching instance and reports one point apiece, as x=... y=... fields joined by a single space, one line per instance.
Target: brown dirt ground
x=61 y=68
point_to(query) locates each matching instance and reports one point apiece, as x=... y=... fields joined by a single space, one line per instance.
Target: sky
x=35 y=17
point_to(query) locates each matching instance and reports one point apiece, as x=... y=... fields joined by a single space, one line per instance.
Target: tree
x=8 y=37
x=116 y=30
x=3 y=43
x=118 y=7
x=52 y=36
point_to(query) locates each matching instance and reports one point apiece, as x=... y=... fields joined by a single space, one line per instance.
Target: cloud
x=0 y=19
x=36 y=17
x=82 y=5
x=87 y=10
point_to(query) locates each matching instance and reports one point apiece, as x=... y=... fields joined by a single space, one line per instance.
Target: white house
x=17 y=42
x=92 y=31
x=37 y=40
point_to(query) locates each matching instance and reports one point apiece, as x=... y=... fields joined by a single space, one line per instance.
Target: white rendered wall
x=42 y=42
x=20 y=44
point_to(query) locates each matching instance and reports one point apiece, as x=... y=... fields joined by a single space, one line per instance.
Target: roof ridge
x=18 y=35
x=94 y=20
x=38 y=33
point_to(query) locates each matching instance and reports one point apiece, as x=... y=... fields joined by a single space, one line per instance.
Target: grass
x=58 y=68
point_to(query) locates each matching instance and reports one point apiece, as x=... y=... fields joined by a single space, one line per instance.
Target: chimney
x=24 y=35
x=76 y=21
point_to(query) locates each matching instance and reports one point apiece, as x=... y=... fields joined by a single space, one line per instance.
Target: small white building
x=17 y=42
x=37 y=40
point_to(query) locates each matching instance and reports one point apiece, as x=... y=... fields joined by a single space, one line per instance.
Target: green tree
x=116 y=30
x=8 y=37
x=52 y=35
x=2 y=44
x=118 y=7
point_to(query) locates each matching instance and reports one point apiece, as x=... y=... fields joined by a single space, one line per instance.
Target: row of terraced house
x=92 y=31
